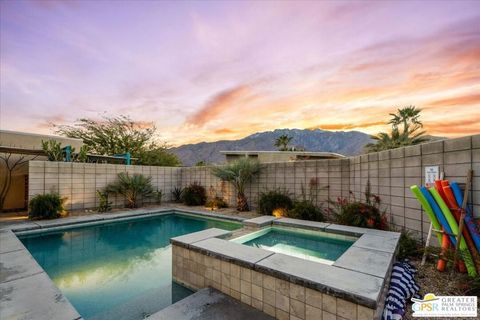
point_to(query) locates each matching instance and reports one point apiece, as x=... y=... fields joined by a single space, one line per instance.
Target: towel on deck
x=402 y=288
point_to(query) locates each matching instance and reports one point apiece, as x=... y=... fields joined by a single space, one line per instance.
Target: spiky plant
x=238 y=173
x=133 y=188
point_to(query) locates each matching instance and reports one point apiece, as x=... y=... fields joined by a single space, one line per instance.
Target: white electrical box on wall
x=432 y=173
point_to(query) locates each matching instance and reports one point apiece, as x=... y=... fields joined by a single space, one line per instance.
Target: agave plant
x=238 y=173
x=133 y=188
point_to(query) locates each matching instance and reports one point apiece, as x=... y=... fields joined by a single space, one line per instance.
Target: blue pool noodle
x=472 y=228
x=438 y=213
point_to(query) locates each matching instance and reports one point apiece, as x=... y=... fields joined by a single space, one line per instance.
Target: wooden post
x=427 y=244
x=462 y=215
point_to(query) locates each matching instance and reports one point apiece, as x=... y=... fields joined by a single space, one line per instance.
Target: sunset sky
x=204 y=71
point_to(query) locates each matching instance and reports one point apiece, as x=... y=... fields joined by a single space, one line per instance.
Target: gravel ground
x=440 y=283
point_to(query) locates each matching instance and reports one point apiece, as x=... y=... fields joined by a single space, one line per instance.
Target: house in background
x=280 y=156
x=18 y=148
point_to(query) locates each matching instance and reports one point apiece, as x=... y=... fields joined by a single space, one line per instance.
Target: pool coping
x=26 y=280
x=22 y=278
x=345 y=278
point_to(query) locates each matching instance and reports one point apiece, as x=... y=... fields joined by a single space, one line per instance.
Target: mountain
x=346 y=143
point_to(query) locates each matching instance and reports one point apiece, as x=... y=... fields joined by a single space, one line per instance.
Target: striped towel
x=402 y=288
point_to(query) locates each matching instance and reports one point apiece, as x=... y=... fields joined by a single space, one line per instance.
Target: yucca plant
x=133 y=188
x=177 y=193
x=238 y=173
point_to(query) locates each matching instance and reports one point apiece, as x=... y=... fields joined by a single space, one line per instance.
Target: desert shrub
x=82 y=155
x=358 y=214
x=177 y=194
x=274 y=199
x=46 y=206
x=53 y=150
x=216 y=203
x=103 y=204
x=158 y=196
x=194 y=195
x=367 y=214
x=306 y=210
x=408 y=246
x=133 y=188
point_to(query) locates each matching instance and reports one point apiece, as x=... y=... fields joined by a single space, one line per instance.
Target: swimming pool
x=306 y=244
x=119 y=270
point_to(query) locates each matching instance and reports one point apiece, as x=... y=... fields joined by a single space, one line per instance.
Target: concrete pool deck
x=26 y=291
x=209 y=304
x=22 y=279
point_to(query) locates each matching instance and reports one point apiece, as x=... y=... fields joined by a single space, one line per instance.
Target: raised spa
x=306 y=244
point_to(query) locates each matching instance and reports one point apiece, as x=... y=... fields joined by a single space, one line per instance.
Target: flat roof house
x=280 y=156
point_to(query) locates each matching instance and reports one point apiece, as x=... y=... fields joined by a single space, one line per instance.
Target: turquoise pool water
x=310 y=245
x=120 y=270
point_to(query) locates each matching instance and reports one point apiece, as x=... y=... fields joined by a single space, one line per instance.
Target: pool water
x=120 y=270
x=310 y=245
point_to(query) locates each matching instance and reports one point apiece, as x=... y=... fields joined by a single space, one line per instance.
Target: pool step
x=209 y=304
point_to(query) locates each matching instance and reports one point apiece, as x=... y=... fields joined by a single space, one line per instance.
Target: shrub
x=53 y=150
x=216 y=203
x=46 y=206
x=272 y=200
x=366 y=214
x=358 y=214
x=408 y=246
x=82 y=155
x=306 y=210
x=158 y=196
x=194 y=195
x=133 y=188
x=103 y=204
x=177 y=194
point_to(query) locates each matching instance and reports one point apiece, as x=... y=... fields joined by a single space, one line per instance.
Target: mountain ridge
x=344 y=142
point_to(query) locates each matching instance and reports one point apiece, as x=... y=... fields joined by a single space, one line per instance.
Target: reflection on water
x=120 y=270
x=303 y=245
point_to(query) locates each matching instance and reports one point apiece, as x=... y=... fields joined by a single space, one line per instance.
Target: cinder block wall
x=391 y=173
x=78 y=182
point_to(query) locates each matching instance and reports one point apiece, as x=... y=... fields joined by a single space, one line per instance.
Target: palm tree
x=238 y=173
x=282 y=142
x=408 y=134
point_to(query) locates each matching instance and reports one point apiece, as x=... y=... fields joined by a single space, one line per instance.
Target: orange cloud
x=223 y=131
x=460 y=127
x=455 y=101
x=219 y=103
x=348 y=126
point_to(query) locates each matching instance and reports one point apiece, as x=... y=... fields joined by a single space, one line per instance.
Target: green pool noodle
x=431 y=215
x=453 y=224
